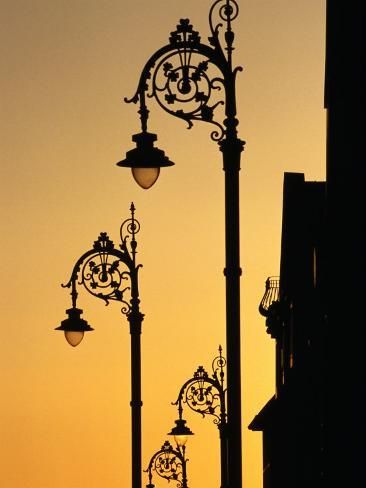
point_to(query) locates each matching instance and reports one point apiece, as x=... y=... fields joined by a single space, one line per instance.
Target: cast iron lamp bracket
x=107 y=272
x=170 y=464
x=205 y=394
x=186 y=77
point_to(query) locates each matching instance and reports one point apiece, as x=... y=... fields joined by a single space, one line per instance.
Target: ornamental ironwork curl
x=102 y=277
x=202 y=396
x=168 y=463
x=129 y=228
x=205 y=394
x=218 y=366
x=224 y=10
x=189 y=79
x=183 y=86
x=109 y=273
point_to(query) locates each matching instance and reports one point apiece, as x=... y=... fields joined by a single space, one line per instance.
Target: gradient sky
x=65 y=414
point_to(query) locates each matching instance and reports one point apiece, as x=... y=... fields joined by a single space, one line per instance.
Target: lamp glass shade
x=74 y=337
x=181 y=440
x=74 y=326
x=145 y=177
x=145 y=160
x=180 y=432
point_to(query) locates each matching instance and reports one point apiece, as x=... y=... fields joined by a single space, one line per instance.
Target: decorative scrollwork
x=129 y=228
x=190 y=79
x=168 y=464
x=182 y=83
x=102 y=277
x=225 y=10
x=109 y=273
x=218 y=366
x=203 y=395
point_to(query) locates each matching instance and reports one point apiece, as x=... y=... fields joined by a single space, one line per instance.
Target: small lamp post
x=170 y=463
x=111 y=273
x=205 y=395
x=192 y=80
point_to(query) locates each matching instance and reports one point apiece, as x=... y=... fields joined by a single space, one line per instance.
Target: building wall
x=292 y=421
x=345 y=339
x=314 y=428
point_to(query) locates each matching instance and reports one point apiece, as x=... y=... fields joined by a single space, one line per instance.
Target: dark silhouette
x=291 y=421
x=170 y=464
x=314 y=426
x=111 y=273
x=196 y=81
x=206 y=395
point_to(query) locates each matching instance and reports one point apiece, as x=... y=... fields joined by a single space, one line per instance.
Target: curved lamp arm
x=179 y=77
x=204 y=394
x=104 y=269
x=170 y=464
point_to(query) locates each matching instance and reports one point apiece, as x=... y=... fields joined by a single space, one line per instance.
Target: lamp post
x=110 y=273
x=205 y=395
x=193 y=81
x=170 y=463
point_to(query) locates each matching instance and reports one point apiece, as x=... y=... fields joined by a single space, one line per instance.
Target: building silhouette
x=314 y=426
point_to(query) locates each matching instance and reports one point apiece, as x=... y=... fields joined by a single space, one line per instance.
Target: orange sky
x=65 y=414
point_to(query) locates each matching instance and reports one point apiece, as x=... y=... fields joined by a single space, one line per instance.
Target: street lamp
x=170 y=463
x=180 y=432
x=205 y=395
x=110 y=273
x=192 y=81
x=145 y=160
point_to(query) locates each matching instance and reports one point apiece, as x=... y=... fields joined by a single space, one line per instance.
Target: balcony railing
x=271 y=294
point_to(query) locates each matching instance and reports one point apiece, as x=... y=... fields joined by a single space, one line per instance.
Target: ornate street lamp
x=205 y=395
x=170 y=463
x=109 y=273
x=192 y=81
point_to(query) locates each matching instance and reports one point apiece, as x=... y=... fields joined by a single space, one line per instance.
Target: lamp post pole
x=187 y=78
x=110 y=273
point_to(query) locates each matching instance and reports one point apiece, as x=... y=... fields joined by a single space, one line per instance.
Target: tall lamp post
x=192 y=81
x=205 y=395
x=110 y=273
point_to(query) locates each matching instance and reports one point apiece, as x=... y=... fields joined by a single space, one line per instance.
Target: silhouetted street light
x=192 y=81
x=205 y=395
x=180 y=432
x=170 y=463
x=110 y=273
x=145 y=160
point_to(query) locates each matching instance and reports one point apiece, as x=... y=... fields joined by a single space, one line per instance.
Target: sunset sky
x=67 y=65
